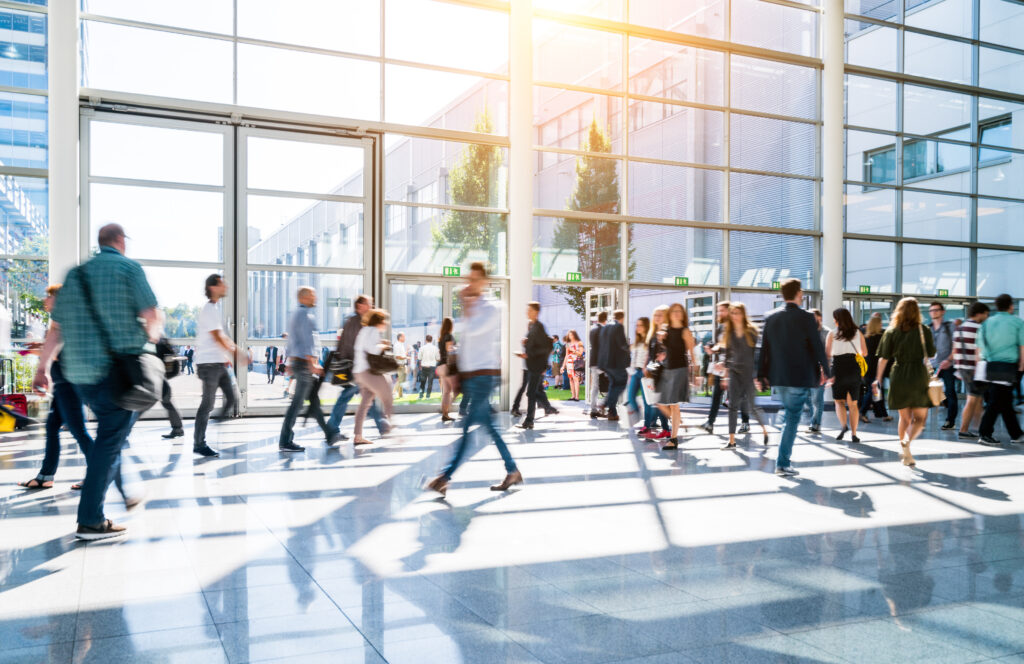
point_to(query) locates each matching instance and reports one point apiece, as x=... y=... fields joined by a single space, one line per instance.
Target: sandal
x=76 y=486
x=672 y=444
x=35 y=484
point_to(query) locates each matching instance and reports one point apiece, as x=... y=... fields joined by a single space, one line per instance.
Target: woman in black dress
x=445 y=344
x=843 y=345
x=680 y=356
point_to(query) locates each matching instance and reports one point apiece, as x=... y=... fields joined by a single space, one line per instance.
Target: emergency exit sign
x=865 y=290
x=574 y=276
x=776 y=285
x=682 y=281
x=943 y=292
x=452 y=271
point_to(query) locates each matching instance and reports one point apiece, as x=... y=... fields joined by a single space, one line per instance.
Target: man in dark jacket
x=271 y=356
x=791 y=354
x=346 y=346
x=594 y=351
x=612 y=359
x=536 y=351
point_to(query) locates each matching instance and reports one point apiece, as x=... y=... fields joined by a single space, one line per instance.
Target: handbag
x=383 y=363
x=936 y=389
x=138 y=380
x=339 y=369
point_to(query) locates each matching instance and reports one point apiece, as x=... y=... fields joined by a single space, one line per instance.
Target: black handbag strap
x=83 y=279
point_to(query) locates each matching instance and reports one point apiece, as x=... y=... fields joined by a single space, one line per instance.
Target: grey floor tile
x=146 y=615
x=36 y=631
x=382 y=624
x=567 y=570
x=585 y=640
x=267 y=601
x=682 y=626
x=794 y=614
x=516 y=606
x=55 y=653
x=289 y=636
x=768 y=649
x=364 y=655
x=488 y=645
x=884 y=641
x=970 y=628
x=623 y=592
x=172 y=646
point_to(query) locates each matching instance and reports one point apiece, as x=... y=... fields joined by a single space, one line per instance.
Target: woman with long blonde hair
x=680 y=358
x=907 y=344
x=655 y=351
x=739 y=340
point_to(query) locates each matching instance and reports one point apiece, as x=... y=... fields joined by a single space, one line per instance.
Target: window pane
x=764 y=144
x=930 y=111
x=1002 y=22
x=24 y=140
x=764 y=200
x=871 y=211
x=758 y=259
x=272 y=299
x=577 y=56
x=704 y=18
x=205 y=15
x=591 y=248
x=157 y=63
x=1000 y=175
x=936 y=217
x=416 y=311
x=676 y=133
x=870 y=45
x=564 y=308
x=870 y=157
x=422 y=239
x=164 y=154
x=587 y=184
x=179 y=294
x=952 y=17
x=870 y=264
x=426 y=98
x=290 y=80
x=871 y=102
x=300 y=231
x=607 y=9
x=23 y=49
x=936 y=165
x=937 y=58
x=339 y=25
x=1000 y=70
x=24 y=216
x=681 y=73
x=775 y=27
x=928 y=268
x=773 y=87
x=149 y=213
x=696 y=254
x=1000 y=222
x=675 y=192
x=446 y=34
x=422 y=170
x=303 y=166
x=561 y=118
x=22 y=289
x=999 y=272
x=880 y=9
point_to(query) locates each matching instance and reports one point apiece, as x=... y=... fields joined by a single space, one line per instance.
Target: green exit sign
x=574 y=276
x=776 y=285
x=682 y=281
x=452 y=271
x=865 y=290
x=943 y=292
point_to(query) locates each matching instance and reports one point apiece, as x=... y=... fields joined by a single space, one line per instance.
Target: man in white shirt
x=429 y=357
x=214 y=356
x=400 y=357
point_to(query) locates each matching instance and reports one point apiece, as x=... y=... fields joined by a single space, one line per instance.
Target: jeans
x=67 y=411
x=213 y=376
x=617 y=380
x=172 y=413
x=948 y=377
x=793 y=401
x=188 y=367
x=1000 y=403
x=103 y=461
x=426 y=380
x=477 y=389
x=716 y=402
x=816 y=404
x=305 y=382
x=347 y=392
x=271 y=371
x=635 y=387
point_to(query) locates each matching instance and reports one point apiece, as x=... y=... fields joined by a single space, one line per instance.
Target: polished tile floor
x=613 y=551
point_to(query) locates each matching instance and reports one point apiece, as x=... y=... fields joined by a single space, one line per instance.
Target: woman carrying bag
x=845 y=345
x=739 y=340
x=371 y=366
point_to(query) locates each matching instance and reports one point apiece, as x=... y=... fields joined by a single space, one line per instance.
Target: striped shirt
x=965 y=346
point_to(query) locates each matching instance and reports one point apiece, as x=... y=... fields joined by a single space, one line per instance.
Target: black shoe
x=290 y=447
x=744 y=428
x=672 y=444
x=551 y=411
x=707 y=427
x=515 y=412
x=814 y=428
x=971 y=435
x=842 y=433
x=336 y=438
x=729 y=446
x=595 y=414
x=990 y=441
x=206 y=451
x=948 y=424
x=525 y=425
x=854 y=439
x=175 y=433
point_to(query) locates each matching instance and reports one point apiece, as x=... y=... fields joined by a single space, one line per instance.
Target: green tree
x=595 y=243
x=473 y=181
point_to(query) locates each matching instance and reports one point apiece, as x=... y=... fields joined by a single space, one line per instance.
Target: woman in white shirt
x=370 y=341
x=843 y=345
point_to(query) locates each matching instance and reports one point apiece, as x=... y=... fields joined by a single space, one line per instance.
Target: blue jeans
x=634 y=388
x=67 y=411
x=103 y=461
x=948 y=377
x=793 y=401
x=817 y=405
x=304 y=388
x=477 y=389
x=349 y=391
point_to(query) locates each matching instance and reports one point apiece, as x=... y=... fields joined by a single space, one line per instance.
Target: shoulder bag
x=138 y=380
x=339 y=368
x=383 y=363
x=936 y=389
x=861 y=360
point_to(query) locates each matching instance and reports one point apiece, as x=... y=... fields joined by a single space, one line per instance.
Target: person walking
x=638 y=354
x=166 y=353
x=965 y=361
x=271 y=357
x=346 y=350
x=843 y=344
x=942 y=363
x=656 y=352
x=304 y=364
x=872 y=337
x=595 y=351
x=190 y=354
x=214 y=355
x=401 y=358
x=371 y=385
x=413 y=363
x=574 y=360
x=557 y=355
x=907 y=344
x=716 y=370
x=100 y=306
x=613 y=362
x=738 y=346
x=793 y=361
x=816 y=404
x=429 y=357
x=680 y=358
x=479 y=364
x=66 y=409
x=536 y=352
x=446 y=347
x=1001 y=346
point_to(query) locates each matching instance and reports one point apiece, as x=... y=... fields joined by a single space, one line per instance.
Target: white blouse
x=368 y=341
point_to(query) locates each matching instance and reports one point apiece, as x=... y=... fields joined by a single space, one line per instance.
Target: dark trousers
x=304 y=389
x=534 y=383
x=617 y=381
x=1000 y=403
x=541 y=396
x=67 y=411
x=271 y=371
x=948 y=377
x=716 y=402
x=476 y=392
x=213 y=376
x=426 y=380
x=103 y=461
x=188 y=367
x=868 y=403
x=172 y=413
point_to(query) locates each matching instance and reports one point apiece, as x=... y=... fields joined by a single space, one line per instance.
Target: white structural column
x=62 y=56
x=520 y=195
x=832 y=159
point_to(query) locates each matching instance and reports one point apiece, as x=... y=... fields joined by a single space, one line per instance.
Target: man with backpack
x=942 y=363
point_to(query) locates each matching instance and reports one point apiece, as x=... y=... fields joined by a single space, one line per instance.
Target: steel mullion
x=22 y=172
x=444 y=206
x=280 y=193
x=661 y=221
x=938 y=84
x=938 y=242
x=34 y=9
x=155 y=184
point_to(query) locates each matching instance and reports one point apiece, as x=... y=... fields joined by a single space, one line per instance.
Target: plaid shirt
x=120 y=293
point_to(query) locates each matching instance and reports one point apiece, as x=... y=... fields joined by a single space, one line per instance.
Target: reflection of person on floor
x=901 y=569
x=1001 y=541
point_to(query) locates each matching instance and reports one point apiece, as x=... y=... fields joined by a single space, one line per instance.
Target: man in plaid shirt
x=125 y=306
